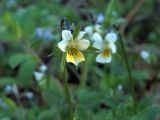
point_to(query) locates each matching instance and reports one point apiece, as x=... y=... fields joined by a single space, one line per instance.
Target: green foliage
x=76 y=31
x=98 y=91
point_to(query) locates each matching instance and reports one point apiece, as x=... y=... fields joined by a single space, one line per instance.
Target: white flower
x=72 y=46
x=38 y=75
x=106 y=47
x=8 y=88
x=29 y=95
x=93 y=29
x=11 y=89
x=15 y=89
x=120 y=87
x=43 y=68
x=144 y=54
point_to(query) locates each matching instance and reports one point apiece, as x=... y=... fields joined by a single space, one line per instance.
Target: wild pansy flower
x=73 y=46
x=93 y=29
x=106 y=47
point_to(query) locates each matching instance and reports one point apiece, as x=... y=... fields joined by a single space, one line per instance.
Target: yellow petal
x=104 y=56
x=74 y=56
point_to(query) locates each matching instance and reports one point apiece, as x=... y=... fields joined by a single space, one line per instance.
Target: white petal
x=62 y=45
x=83 y=44
x=113 y=47
x=144 y=54
x=111 y=37
x=98 y=28
x=66 y=35
x=80 y=35
x=88 y=29
x=96 y=37
x=98 y=44
x=101 y=59
x=38 y=75
x=43 y=68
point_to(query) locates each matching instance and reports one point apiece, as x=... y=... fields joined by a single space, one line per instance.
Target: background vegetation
x=30 y=31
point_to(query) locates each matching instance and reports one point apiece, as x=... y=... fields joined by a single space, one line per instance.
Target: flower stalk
x=68 y=96
x=126 y=62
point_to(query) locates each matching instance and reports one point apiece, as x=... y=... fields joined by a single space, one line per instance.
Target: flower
x=100 y=18
x=106 y=47
x=38 y=75
x=93 y=29
x=11 y=89
x=45 y=34
x=43 y=68
x=73 y=46
x=29 y=94
x=144 y=54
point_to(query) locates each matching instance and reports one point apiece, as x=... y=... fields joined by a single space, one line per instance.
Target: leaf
x=13 y=28
x=17 y=59
x=8 y=80
x=10 y=103
x=26 y=72
x=148 y=114
x=92 y=49
x=76 y=31
x=110 y=8
x=55 y=53
x=81 y=113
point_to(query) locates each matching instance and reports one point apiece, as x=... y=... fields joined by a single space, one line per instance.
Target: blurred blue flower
x=48 y=34
x=100 y=18
x=45 y=34
x=39 y=32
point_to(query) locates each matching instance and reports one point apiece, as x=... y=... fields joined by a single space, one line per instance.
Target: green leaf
x=17 y=59
x=55 y=53
x=148 y=114
x=13 y=29
x=111 y=6
x=92 y=49
x=8 y=80
x=26 y=72
x=10 y=103
x=81 y=113
x=76 y=31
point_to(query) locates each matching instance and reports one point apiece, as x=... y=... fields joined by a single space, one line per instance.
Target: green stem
x=68 y=96
x=85 y=70
x=127 y=62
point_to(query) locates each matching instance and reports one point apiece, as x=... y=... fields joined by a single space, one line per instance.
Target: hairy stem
x=68 y=96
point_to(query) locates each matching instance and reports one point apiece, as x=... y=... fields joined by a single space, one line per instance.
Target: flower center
x=94 y=29
x=106 y=52
x=73 y=52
